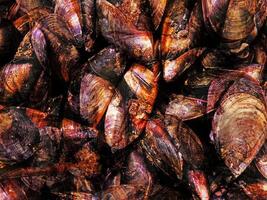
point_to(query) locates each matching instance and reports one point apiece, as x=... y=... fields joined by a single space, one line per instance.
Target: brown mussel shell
x=17 y=146
x=119 y=30
x=241 y=112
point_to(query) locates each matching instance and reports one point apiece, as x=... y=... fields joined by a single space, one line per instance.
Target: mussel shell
x=62 y=52
x=46 y=154
x=160 y=150
x=121 y=192
x=39 y=118
x=158 y=8
x=255 y=190
x=233 y=20
x=239 y=125
x=236 y=23
x=54 y=25
x=74 y=132
x=17 y=146
x=226 y=78
x=212 y=20
x=116 y=122
x=95 y=96
x=137 y=172
x=109 y=64
x=186 y=141
x=13 y=189
x=213 y=58
x=136 y=11
x=260 y=53
x=198 y=182
x=89 y=23
x=142 y=82
x=17 y=82
x=181 y=28
x=76 y=195
x=120 y=31
x=27 y=21
x=26 y=77
x=174 y=68
x=239 y=20
x=70 y=10
x=130 y=106
x=28 y=5
x=186 y=108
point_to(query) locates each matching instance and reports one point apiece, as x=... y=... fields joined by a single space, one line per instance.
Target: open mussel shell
x=239 y=125
x=9 y=41
x=119 y=30
x=16 y=146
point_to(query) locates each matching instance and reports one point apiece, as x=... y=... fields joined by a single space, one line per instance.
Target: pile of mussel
x=133 y=99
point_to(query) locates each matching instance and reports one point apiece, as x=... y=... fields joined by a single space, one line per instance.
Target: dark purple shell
x=16 y=146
